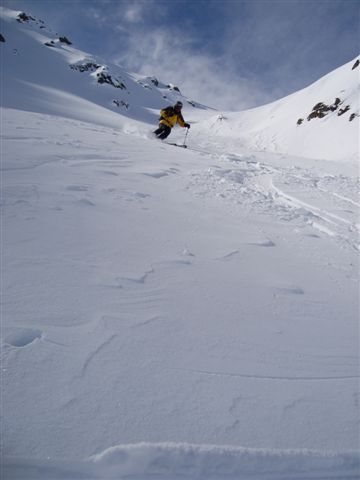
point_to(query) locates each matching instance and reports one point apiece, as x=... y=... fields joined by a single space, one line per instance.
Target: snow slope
x=43 y=73
x=171 y=313
x=320 y=121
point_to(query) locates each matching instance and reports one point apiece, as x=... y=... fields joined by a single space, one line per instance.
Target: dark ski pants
x=162 y=132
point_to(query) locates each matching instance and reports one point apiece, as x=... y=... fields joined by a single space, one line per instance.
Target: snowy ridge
x=171 y=461
x=44 y=70
x=320 y=121
x=205 y=461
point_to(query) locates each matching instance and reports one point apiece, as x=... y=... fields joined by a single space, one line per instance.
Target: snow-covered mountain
x=44 y=72
x=320 y=121
x=169 y=313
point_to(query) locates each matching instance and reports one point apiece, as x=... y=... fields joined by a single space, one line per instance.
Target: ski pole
x=186 y=134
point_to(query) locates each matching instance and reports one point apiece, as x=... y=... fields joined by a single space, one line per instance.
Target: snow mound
x=167 y=460
x=170 y=461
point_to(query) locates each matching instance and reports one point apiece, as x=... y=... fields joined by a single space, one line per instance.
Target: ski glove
x=187 y=125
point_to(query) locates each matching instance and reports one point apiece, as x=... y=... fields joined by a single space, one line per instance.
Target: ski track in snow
x=92 y=356
x=254 y=185
x=267 y=377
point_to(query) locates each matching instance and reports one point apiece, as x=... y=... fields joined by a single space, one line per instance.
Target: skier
x=169 y=116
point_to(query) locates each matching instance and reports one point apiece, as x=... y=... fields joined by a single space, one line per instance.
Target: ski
x=176 y=145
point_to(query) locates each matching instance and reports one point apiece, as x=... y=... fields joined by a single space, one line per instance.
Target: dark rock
x=2 y=39
x=300 y=121
x=65 y=40
x=343 y=110
x=319 y=106
x=356 y=64
x=172 y=87
x=85 y=67
x=191 y=103
x=352 y=116
x=105 y=78
x=121 y=103
x=335 y=105
x=320 y=110
x=50 y=44
x=22 y=17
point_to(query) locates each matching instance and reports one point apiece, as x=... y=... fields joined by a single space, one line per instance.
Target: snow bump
x=20 y=337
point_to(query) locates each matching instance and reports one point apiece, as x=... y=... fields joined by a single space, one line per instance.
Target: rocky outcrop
x=321 y=109
x=2 y=39
x=356 y=64
x=85 y=67
x=103 y=77
x=343 y=110
x=121 y=103
x=152 y=80
x=65 y=40
x=23 y=17
x=101 y=74
x=173 y=87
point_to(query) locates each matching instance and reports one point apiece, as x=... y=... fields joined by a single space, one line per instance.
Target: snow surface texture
x=169 y=313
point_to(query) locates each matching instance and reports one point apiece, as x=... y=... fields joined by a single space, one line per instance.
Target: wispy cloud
x=244 y=53
x=134 y=12
x=206 y=78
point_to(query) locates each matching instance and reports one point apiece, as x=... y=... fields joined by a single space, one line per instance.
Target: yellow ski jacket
x=169 y=117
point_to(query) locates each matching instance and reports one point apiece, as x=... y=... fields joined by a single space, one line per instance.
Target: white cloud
x=134 y=13
x=204 y=78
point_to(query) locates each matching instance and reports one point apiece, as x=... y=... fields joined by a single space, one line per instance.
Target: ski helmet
x=178 y=104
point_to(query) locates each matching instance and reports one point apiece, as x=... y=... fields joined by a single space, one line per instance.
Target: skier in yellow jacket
x=169 y=116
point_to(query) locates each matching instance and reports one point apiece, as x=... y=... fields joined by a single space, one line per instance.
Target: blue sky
x=230 y=54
